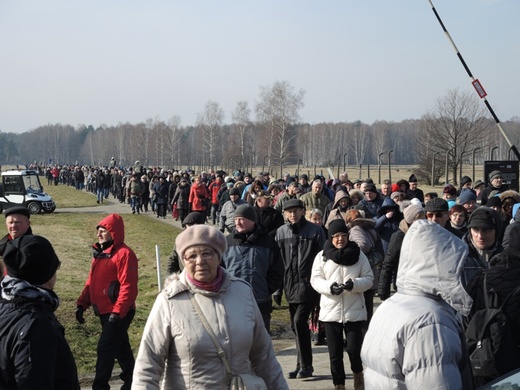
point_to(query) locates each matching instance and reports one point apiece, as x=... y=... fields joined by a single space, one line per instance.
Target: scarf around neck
x=212 y=286
x=13 y=288
x=348 y=255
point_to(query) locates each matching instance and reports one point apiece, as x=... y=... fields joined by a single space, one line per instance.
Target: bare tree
x=242 y=123
x=278 y=112
x=210 y=122
x=456 y=125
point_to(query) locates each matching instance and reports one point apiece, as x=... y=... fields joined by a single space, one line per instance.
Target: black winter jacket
x=299 y=244
x=255 y=258
x=33 y=351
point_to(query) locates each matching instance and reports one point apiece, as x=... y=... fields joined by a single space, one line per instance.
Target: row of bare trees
x=457 y=128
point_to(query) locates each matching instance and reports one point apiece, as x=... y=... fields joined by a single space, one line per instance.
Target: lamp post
x=390 y=166
x=473 y=163
x=345 y=158
x=460 y=165
x=379 y=167
x=298 y=168
x=433 y=168
x=263 y=165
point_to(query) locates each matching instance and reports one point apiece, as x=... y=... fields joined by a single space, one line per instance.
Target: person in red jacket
x=198 y=196
x=111 y=289
x=214 y=188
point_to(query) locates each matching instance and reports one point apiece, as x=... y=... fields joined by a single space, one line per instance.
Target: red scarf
x=213 y=286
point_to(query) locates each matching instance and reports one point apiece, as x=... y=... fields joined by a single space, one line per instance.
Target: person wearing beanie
x=253 y=255
x=227 y=214
x=414 y=191
x=390 y=264
x=465 y=183
x=468 y=199
x=372 y=201
x=268 y=217
x=174 y=264
x=111 y=289
x=341 y=273
x=495 y=184
x=176 y=351
x=299 y=241
x=18 y=223
x=484 y=225
x=33 y=349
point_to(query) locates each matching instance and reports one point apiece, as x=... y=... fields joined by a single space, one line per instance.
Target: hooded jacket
x=34 y=354
x=336 y=212
x=111 y=286
x=415 y=339
x=176 y=347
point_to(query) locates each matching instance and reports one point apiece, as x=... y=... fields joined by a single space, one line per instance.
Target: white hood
x=431 y=262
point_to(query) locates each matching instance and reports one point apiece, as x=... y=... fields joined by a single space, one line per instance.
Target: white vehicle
x=23 y=188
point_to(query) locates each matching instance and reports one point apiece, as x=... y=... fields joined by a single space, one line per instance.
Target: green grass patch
x=67 y=197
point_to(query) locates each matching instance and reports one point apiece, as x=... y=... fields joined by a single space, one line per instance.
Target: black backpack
x=491 y=345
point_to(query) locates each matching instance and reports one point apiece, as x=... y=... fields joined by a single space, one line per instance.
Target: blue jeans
x=135 y=203
x=99 y=193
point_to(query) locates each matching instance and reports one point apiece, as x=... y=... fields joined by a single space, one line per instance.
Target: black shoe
x=305 y=372
x=320 y=341
x=133 y=211
x=293 y=374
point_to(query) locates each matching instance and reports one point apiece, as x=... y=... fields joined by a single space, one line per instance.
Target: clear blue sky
x=104 y=62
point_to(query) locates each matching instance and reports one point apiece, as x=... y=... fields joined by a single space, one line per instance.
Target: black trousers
x=114 y=344
x=354 y=335
x=299 y=315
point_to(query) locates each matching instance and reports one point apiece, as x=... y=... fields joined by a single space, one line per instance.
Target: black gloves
x=277 y=298
x=114 y=319
x=349 y=285
x=336 y=289
x=79 y=315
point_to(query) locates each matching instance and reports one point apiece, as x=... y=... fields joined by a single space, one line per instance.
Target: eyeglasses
x=437 y=215
x=205 y=255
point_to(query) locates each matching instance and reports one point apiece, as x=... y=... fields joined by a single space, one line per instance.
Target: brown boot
x=359 y=381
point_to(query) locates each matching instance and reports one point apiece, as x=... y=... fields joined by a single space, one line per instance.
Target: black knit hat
x=485 y=218
x=246 y=211
x=234 y=191
x=337 y=226
x=31 y=258
x=194 y=218
x=370 y=187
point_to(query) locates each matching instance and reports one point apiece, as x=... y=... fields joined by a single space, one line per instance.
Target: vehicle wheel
x=46 y=211
x=34 y=207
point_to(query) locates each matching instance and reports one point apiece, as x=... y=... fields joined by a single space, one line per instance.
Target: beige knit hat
x=201 y=235
x=410 y=213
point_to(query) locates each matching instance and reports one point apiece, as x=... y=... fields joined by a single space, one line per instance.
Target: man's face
x=103 y=235
x=496 y=182
x=370 y=196
x=482 y=238
x=316 y=188
x=247 y=180
x=439 y=217
x=263 y=202
x=386 y=189
x=413 y=186
x=293 y=190
x=303 y=181
x=294 y=214
x=244 y=225
x=17 y=225
x=234 y=198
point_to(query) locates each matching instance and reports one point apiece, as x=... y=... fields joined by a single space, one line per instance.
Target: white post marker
x=158 y=259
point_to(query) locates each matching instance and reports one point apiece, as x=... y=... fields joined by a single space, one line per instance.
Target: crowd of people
x=329 y=246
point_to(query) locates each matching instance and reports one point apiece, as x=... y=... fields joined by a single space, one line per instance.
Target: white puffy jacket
x=349 y=306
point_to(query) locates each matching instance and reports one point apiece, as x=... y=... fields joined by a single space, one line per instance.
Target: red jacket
x=198 y=195
x=111 y=286
x=214 y=188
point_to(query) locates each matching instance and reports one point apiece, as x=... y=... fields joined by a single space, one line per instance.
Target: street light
x=433 y=168
x=460 y=166
x=379 y=167
x=390 y=166
x=345 y=155
x=263 y=165
x=300 y=161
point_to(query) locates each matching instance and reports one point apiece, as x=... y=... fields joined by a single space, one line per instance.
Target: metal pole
x=491 y=153
x=447 y=156
x=433 y=168
x=390 y=166
x=460 y=166
x=379 y=167
x=345 y=164
x=158 y=261
x=339 y=164
x=473 y=164
x=476 y=84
